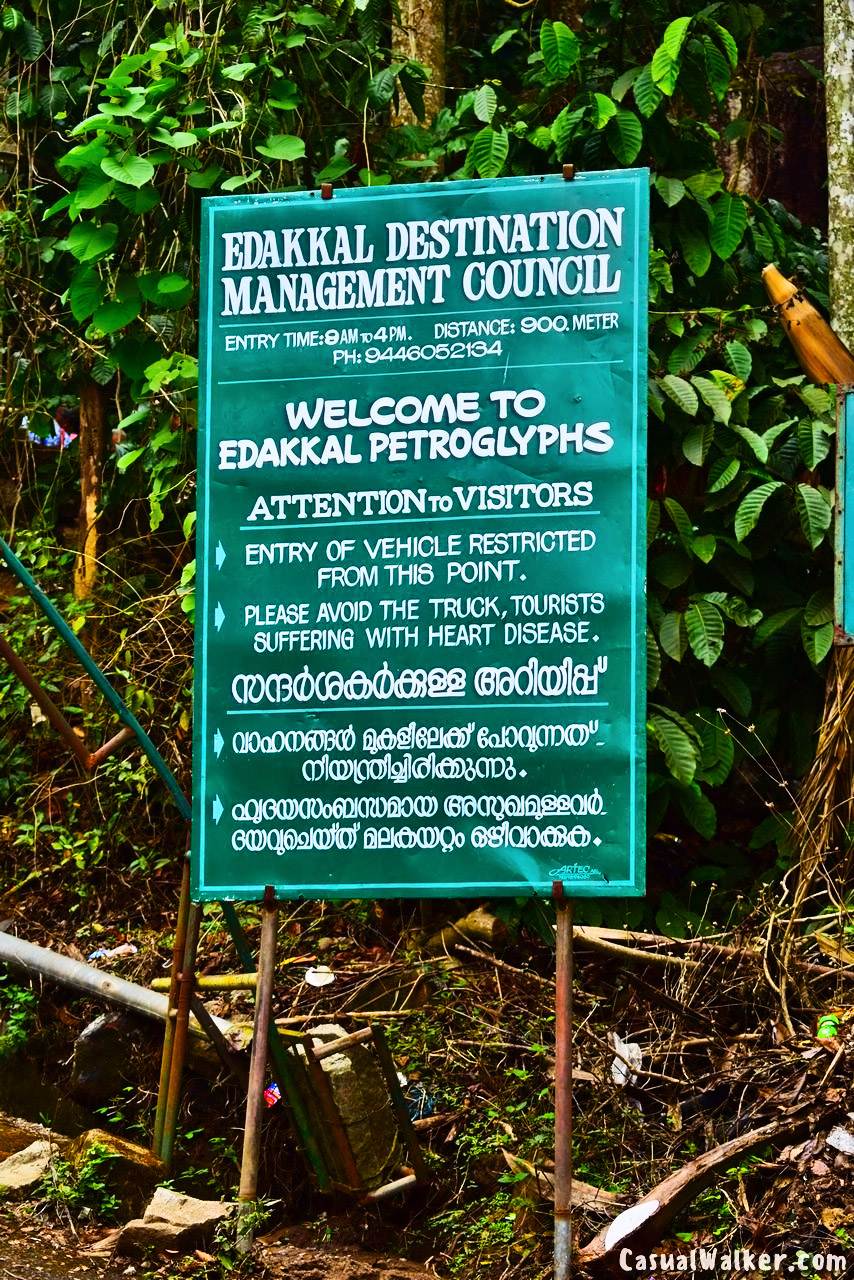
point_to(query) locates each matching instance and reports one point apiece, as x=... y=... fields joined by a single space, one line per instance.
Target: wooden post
x=92 y=445
x=563 y=1086
x=248 y=1192
x=169 y=1031
x=181 y=1034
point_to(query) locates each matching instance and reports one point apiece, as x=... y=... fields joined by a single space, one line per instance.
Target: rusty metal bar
x=124 y=735
x=213 y=982
x=169 y=1032
x=337 y=1130
x=180 y=1036
x=45 y=703
x=563 y=1086
x=287 y=1074
x=399 y=1106
x=248 y=1190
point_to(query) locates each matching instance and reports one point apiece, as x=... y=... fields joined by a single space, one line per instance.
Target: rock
x=25 y=1170
x=133 y=1173
x=362 y=1098
x=102 y=1054
x=16 y=1134
x=173 y=1221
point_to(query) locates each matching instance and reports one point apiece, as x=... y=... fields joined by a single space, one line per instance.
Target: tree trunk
x=839 y=76
x=92 y=444
x=420 y=36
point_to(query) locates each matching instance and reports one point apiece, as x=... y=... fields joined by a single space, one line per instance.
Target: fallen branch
x=585 y=933
x=584 y=1194
x=642 y=1225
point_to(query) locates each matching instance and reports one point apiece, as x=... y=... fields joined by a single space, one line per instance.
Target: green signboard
x=420 y=619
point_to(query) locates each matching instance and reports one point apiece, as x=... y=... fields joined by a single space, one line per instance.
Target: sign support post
x=563 y=1084
x=248 y=1191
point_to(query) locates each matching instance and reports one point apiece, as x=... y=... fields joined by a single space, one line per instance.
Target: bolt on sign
x=420 y=619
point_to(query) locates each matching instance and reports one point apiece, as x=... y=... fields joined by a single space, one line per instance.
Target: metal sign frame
x=514 y=871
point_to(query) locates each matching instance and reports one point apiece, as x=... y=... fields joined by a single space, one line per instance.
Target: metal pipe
x=45 y=703
x=248 y=1190
x=395 y=1188
x=169 y=1031
x=180 y=1036
x=563 y=1087
x=39 y=962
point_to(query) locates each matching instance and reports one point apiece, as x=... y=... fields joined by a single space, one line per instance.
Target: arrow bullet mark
x=220 y=555
x=217 y=809
x=219 y=616
x=219 y=743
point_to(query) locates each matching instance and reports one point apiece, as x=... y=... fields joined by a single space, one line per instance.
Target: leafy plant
x=17 y=1014
x=80 y=1192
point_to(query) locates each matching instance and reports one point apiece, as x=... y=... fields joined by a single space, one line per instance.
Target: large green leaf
x=653 y=660
x=560 y=48
x=705 y=184
x=705 y=627
x=697 y=442
x=813 y=441
x=93 y=190
x=817 y=641
x=681 y=393
x=715 y=397
x=674 y=36
x=114 y=315
x=488 y=151
x=664 y=70
x=625 y=136
x=728 y=223
x=681 y=522
x=89 y=240
x=750 y=507
x=485 y=103
x=282 y=146
x=680 y=753
x=695 y=247
x=819 y=609
x=129 y=168
x=85 y=293
x=698 y=809
x=775 y=623
x=722 y=472
x=380 y=90
x=603 y=109
x=672 y=636
x=671 y=190
x=739 y=359
x=718 y=751
x=647 y=93
x=717 y=68
x=815 y=513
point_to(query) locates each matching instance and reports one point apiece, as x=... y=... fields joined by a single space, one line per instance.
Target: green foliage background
x=119 y=119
